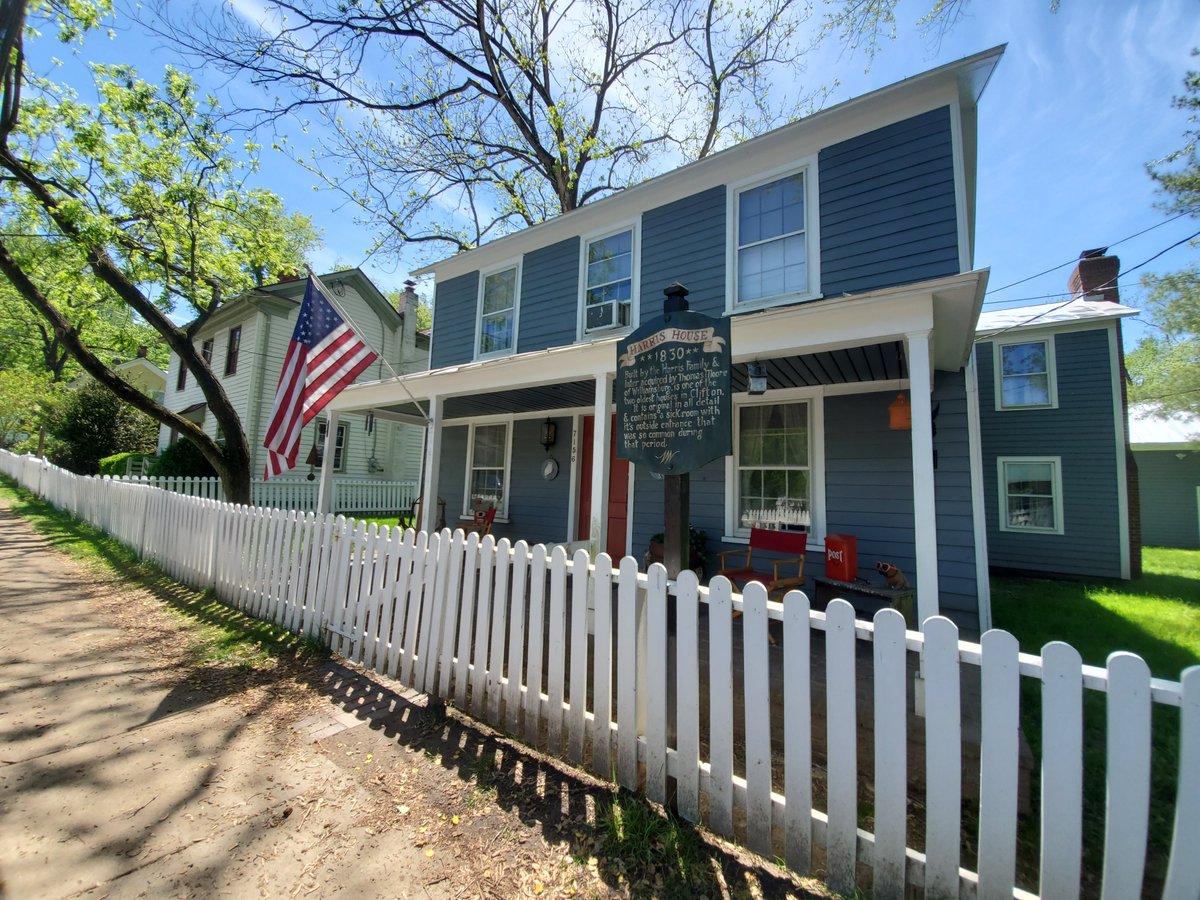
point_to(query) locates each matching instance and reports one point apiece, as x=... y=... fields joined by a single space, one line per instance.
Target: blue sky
x=1080 y=102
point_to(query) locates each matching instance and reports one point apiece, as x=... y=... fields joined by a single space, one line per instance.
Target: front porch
x=832 y=367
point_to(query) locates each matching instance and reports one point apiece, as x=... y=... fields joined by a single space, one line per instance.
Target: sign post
x=674 y=406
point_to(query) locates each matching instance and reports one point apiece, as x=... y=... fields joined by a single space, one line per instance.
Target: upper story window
x=498 y=293
x=608 y=281
x=181 y=376
x=206 y=350
x=232 y=350
x=774 y=249
x=1025 y=375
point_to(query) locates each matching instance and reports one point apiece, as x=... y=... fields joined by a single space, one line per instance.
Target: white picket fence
x=349 y=494
x=517 y=635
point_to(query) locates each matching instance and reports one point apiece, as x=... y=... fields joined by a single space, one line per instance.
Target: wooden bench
x=786 y=572
x=867 y=599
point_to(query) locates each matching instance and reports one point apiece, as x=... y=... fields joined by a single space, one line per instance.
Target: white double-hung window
x=487 y=468
x=608 y=281
x=773 y=459
x=498 y=292
x=1025 y=375
x=774 y=248
x=1031 y=494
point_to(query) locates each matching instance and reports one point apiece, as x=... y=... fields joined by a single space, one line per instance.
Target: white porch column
x=325 y=491
x=433 y=466
x=601 y=439
x=920 y=379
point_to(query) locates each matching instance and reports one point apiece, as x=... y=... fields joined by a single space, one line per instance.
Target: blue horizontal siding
x=549 y=296
x=888 y=211
x=455 y=303
x=1082 y=433
x=684 y=241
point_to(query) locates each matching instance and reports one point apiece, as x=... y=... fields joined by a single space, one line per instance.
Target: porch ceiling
x=874 y=362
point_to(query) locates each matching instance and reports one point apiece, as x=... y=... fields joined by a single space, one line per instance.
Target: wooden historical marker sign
x=674 y=407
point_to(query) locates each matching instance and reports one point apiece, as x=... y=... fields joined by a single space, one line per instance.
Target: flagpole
x=328 y=294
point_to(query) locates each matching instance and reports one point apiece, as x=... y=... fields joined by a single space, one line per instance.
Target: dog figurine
x=895 y=578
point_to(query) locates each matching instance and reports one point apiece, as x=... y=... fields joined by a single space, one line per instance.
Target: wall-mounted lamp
x=756 y=373
x=549 y=433
x=900 y=414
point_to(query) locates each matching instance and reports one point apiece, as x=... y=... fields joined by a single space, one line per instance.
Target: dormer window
x=498 y=293
x=608 y=282
x=773 y=255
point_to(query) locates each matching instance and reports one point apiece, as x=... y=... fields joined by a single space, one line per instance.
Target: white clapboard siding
x=479 y=623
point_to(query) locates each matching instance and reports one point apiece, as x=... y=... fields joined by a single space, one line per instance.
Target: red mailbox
x=841 y=557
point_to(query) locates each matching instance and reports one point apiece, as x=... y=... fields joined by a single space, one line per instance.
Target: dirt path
x=128 y=768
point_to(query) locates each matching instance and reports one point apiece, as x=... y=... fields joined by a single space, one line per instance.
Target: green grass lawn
x=1156 y=616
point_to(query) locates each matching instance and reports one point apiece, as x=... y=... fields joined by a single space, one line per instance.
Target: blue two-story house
x=841 y=249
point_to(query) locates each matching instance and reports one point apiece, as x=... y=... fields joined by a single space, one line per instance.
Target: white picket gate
x=517 y=635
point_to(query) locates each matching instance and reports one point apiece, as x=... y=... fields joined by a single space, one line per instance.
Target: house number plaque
x=674 y=409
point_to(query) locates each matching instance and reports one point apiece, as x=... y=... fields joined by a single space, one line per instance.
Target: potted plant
x=697 y=554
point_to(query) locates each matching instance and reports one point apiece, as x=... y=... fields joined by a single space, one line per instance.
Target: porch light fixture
x=756 y=373
x=900 y=414
x=549 y=433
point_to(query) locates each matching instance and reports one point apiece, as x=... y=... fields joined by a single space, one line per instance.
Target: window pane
x=1023 y=359
x=771 y=210
x=773 y=477
x=1026 y=390
x=496 y=333
x=489 y=445
x=499 y=290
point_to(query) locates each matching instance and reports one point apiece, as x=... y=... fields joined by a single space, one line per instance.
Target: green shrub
x=116 y=464
x=182 y=459
x=92 y=423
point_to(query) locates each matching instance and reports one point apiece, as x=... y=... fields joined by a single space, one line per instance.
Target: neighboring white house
x=1167 y=450
x=138 y=372
x=246 y=341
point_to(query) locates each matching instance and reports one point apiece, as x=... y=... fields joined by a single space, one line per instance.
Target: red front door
x=618 y=490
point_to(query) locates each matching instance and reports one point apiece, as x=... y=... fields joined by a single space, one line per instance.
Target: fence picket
x=426 y=639
x=557 y=649
x=797 y=732
x=537 y=620
x=466 y=619
x=943 y=796
x=452 y=606
x=842 y=744
x=412 y=604
x=406 y=571
x=999 y=692
x=602 y=668
x=1062 y=771
x=500 y=585
x=627 y=674
x=517 y=636
x=1127 y=805
x=579 y=643
x=431 y=623
x=656 y=683
x=483 y=622
x=757 y=688
x=720 y=705
x=891 y=755
x=1183 y=871
x=687 y=696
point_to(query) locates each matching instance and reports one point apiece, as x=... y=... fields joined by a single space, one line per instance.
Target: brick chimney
x=1095 y=277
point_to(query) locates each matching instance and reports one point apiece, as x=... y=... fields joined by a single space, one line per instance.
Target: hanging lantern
x=900 y=414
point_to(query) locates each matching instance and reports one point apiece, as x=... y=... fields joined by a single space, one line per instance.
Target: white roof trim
x=1049 y=315
x=1149 y=430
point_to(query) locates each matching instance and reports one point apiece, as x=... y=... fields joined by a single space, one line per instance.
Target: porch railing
x=356 y=495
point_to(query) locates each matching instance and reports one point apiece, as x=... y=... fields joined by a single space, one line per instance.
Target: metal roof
x=1049 y=315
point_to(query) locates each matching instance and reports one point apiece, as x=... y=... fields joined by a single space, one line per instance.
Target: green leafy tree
x=92 y=423
x=453 y=122
x=145 y=188
x=25 y=399
x=1165 y=369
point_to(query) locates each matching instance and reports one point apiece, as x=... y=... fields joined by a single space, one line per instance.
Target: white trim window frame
x=1017 y=371
x=339 y=444
x=613 y=279
x=806 y=513
x=488 y=474
x=766 y=235
x=1037 y=506
x=497 y=310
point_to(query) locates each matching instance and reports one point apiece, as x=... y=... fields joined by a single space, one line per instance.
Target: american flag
x=325 y=355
